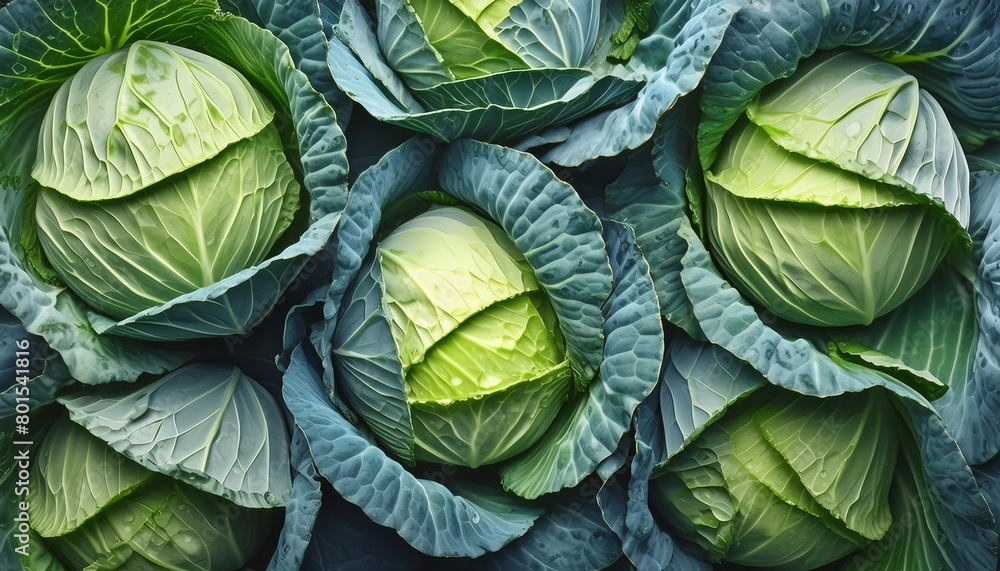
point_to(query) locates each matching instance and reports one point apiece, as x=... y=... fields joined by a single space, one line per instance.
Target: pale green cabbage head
x=484 y=366
x=834 y=200
x=162 y=172
x=785 y=481
x=99 y=510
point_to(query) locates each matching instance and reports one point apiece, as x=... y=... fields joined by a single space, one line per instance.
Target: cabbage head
x=483 y=345
x=161 y=172
x=785 y=481
x=483 y=359
x=96 y=508
x=167 y=174
x=837 y=196
x=732 y=468
x=593 y=74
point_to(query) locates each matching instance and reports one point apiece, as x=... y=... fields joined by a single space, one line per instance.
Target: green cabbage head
x=162 y=172
x=785 y=481
x=465 y=39
x=838 y=194
x=99 y=510
x=482 y=358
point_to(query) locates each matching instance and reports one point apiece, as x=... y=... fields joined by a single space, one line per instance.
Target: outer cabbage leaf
x=300 y=26
x=36 y=384
x=368 y=366
x=552 y=34
x=229 y=306
x=44 y=377
x=920 y=380
x=912 y=542
x=205 y=424
x=672 y=59
x=627 y=506
x=493 y=122
x=465 y=49
x=423 y=512
x=588 y=430
x=40 y=557
x=745 y=504
x=302 y=511
x=699 y=383
x=404 y=43
x=986 y=158
x=832 y=465
x=572 y=534
x=988 y=476
x=933 y=336
x=363 y=73
x=639 y=198
x=971 y=412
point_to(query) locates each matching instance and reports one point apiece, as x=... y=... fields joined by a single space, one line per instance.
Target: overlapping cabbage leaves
x=535 y=71
x=95 y=507
x=469 y=514
x=220 y=434
x=937 y=515
x=942 y=339
x=220 y=445
x=43 y=46
x=946 y=330
x=45 y=376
